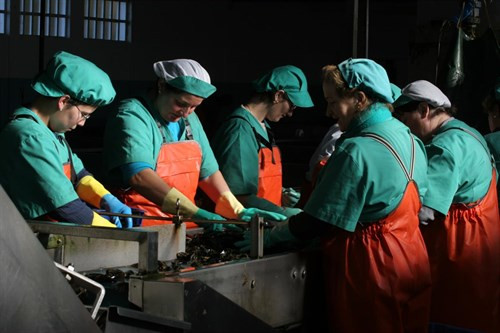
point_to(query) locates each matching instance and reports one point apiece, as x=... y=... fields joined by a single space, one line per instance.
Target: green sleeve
x=208 y=163
x=42 y=185
x=339 y=195
x=443 y=178
x=237 y=152
x=130 y=137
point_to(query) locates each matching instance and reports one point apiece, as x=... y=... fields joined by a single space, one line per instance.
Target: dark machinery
x=278 y=292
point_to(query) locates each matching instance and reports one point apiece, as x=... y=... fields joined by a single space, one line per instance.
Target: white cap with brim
x=186 y=75
x=422 y=91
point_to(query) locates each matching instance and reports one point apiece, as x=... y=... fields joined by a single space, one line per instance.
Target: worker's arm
x=148 y=184
x=94 y=193
x=252 y=200
x=296 y=231
x=304 y=227
x=227 y=205
x=76 y=211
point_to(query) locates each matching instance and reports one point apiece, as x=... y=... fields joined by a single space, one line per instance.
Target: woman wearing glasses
x=244 y=144
x=39 y=172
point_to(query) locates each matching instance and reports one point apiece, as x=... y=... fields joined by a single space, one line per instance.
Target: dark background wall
x=238 y=40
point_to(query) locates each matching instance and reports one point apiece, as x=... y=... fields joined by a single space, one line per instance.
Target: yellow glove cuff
x=99 y=221
x=228 y=206
x=169 y=205
x=91 y=191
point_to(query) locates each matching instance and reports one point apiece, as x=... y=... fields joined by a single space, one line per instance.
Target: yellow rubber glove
x=228 y=206
x=99 y=221
x=91 y=191
x=169 y=205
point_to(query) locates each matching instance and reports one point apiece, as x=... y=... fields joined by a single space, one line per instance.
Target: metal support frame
x=148 y=240
x=257 y=240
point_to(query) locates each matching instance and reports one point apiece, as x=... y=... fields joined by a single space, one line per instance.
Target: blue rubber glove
x=247 y=214
x=289 y=197
x=279 y=234
x=206 y=215
x=111 y=204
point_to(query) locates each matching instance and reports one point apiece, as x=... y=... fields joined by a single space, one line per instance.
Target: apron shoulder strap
x=189 y=131
x=70 y=158
x=492 y=159
x=408 y=173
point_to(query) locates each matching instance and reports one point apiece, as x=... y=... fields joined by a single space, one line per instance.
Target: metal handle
x=89 y=284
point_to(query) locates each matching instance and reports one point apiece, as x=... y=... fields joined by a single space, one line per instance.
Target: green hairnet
x=68 y=74
x=289 y=79
x=368 y=76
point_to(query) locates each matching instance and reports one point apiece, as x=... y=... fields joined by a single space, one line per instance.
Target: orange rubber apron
x=178 y=165
x=378 y=277
x=270 y=173
x=464 y=252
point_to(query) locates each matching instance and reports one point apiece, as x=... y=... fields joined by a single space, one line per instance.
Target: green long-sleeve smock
x=31 y=169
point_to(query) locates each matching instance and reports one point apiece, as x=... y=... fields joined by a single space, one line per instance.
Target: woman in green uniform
x=462 y=231
x=365 y=207
x=39 y=172
x=156 y=150
x=244 y=144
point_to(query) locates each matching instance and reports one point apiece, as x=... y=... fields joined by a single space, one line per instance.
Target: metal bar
x=148 y=240
x=148 y=245
x=164 y=218
x=257 y=240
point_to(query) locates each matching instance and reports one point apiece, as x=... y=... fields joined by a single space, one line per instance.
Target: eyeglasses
x=83 y=115
x=292 y=106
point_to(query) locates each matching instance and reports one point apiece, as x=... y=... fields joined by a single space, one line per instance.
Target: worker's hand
x=247 y=213
x=206 y=215
x=289 y=197
x=289 y=211
x=279 y=235
x=111 y=204
x=426 y=215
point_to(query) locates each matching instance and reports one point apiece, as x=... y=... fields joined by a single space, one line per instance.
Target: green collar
x=376 y=113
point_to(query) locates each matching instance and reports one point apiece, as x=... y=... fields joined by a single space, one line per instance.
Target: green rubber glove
x=206 y=215
x=247 y=214
x=278 y=235
x=289 y=197
x=214 y=227
x=289 y=211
